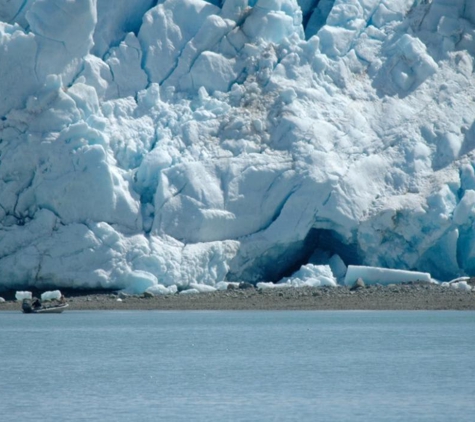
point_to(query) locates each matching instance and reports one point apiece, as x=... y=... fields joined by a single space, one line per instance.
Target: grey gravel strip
x=395 y=297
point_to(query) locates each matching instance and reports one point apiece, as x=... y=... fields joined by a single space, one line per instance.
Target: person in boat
x=36 y=303
x=59 y=302
x=26 y=306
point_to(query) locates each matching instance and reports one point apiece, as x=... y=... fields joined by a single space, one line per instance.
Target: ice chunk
x=20 y=295
x=457 y=280
x=463 y=286
x=51 y=295
x=338 y=267
x=311 y=275
x=190 y=292
x=267 y=285
x=202 y=288
x=384 y=276
x=159 y=289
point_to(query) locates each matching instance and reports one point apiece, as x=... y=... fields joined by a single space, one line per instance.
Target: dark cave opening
x=283 y=260
x=320 y=245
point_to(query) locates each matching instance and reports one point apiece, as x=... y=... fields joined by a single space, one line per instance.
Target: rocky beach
x=411 y=296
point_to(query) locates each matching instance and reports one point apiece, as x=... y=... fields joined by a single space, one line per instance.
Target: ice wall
x=185 y=141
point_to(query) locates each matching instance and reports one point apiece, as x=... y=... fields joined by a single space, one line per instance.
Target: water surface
x=238 y=366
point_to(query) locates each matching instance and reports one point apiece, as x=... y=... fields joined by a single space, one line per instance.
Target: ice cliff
x=174 y=142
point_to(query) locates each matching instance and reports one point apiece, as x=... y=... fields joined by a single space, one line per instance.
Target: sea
x=238 y=366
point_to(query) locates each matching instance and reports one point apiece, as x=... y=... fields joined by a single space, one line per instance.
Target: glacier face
x=190 y=141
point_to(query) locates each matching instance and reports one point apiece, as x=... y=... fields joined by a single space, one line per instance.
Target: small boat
x=28 y=308
x=54 y=309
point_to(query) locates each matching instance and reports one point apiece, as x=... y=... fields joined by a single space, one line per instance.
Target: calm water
x=238 y=366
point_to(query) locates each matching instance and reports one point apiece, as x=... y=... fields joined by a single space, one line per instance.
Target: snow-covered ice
x=198 y=142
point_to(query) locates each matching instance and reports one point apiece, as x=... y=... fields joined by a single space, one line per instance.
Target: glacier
x=175 y=144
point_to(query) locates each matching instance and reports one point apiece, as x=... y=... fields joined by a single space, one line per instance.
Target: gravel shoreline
x=394 y=297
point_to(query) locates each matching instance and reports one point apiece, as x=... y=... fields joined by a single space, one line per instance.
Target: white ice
x=51 y=295
x=20 y=295
x=312 y=276
x=204 y=142
x=384 y=276
x=462 y=286
x=159 y=289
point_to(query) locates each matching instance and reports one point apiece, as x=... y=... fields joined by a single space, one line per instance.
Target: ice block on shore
x=384 y=276
x=51 y=295
x=23 y=295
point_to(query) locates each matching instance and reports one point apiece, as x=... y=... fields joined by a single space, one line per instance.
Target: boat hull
x=49 y=310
